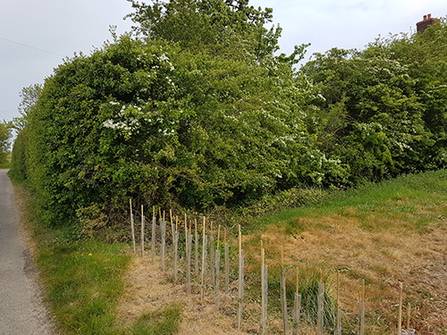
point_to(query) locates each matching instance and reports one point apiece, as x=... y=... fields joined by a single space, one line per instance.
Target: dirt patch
x=148 y=289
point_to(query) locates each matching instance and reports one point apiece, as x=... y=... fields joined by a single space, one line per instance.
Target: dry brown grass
x=383 y=258
x=148 y=289
x=389 y=236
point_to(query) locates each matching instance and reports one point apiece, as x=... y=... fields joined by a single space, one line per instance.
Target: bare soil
x=148 y=289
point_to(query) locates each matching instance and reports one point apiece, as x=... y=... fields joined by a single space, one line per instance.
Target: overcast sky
x=35 y=36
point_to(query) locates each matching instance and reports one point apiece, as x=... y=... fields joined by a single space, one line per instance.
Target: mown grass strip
x=84 y=281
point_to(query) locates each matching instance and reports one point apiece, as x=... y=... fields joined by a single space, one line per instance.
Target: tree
x=158 y=123
x=212 y=25
x=30 y=96
x=5 y=135
x=371 y=101
x=425 y=56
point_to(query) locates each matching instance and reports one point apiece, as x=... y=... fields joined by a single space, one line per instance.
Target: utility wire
x=3 y=115
x=29 y=46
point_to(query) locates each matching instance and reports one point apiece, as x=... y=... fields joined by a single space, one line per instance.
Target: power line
x=29 y=46
x=3 y=115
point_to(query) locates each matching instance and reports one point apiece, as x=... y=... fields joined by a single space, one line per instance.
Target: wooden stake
x=297 y=280
x=159 y=212
x=240 y=288
x=186 y=225
x=240 y=241
x=363 y=290
x=132 y=226
x=203 y=229
x=142 y=231
x=153 y=211
x=408 y=316
x=218 y=237
x=172 y=225
x=319 y=316
x=225 y=235
x=176 y=223
x=399 y=325
x=282 y=258
x=262 y=289
x=196 y=245
x=338 y=289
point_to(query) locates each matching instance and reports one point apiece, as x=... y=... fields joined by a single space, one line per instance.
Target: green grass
x=398 y=199
x=83 y=280
x=5 y=166
x=164 y=322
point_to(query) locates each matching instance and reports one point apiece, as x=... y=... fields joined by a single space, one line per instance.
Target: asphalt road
x=21 y=308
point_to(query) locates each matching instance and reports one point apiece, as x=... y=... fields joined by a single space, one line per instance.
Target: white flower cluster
x=128 y=125
x=129 y=120
x=166 y=132
x=122 y=112
x=164 y=58
x=118 y=125
x=230 y=117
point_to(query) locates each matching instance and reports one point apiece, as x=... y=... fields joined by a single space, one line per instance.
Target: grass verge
x=5 y=166
x=83 y=279
x=386 y=233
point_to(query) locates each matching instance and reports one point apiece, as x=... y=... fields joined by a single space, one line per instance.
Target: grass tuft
x=163 y=322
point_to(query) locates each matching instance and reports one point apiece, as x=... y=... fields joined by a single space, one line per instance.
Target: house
x=425 y=23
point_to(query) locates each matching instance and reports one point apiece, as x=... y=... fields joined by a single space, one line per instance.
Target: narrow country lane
x=21 y=308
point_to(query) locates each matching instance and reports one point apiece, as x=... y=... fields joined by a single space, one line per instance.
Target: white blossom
x=163 y=58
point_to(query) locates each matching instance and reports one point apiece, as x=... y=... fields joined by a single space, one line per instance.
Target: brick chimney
x=425 y=23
